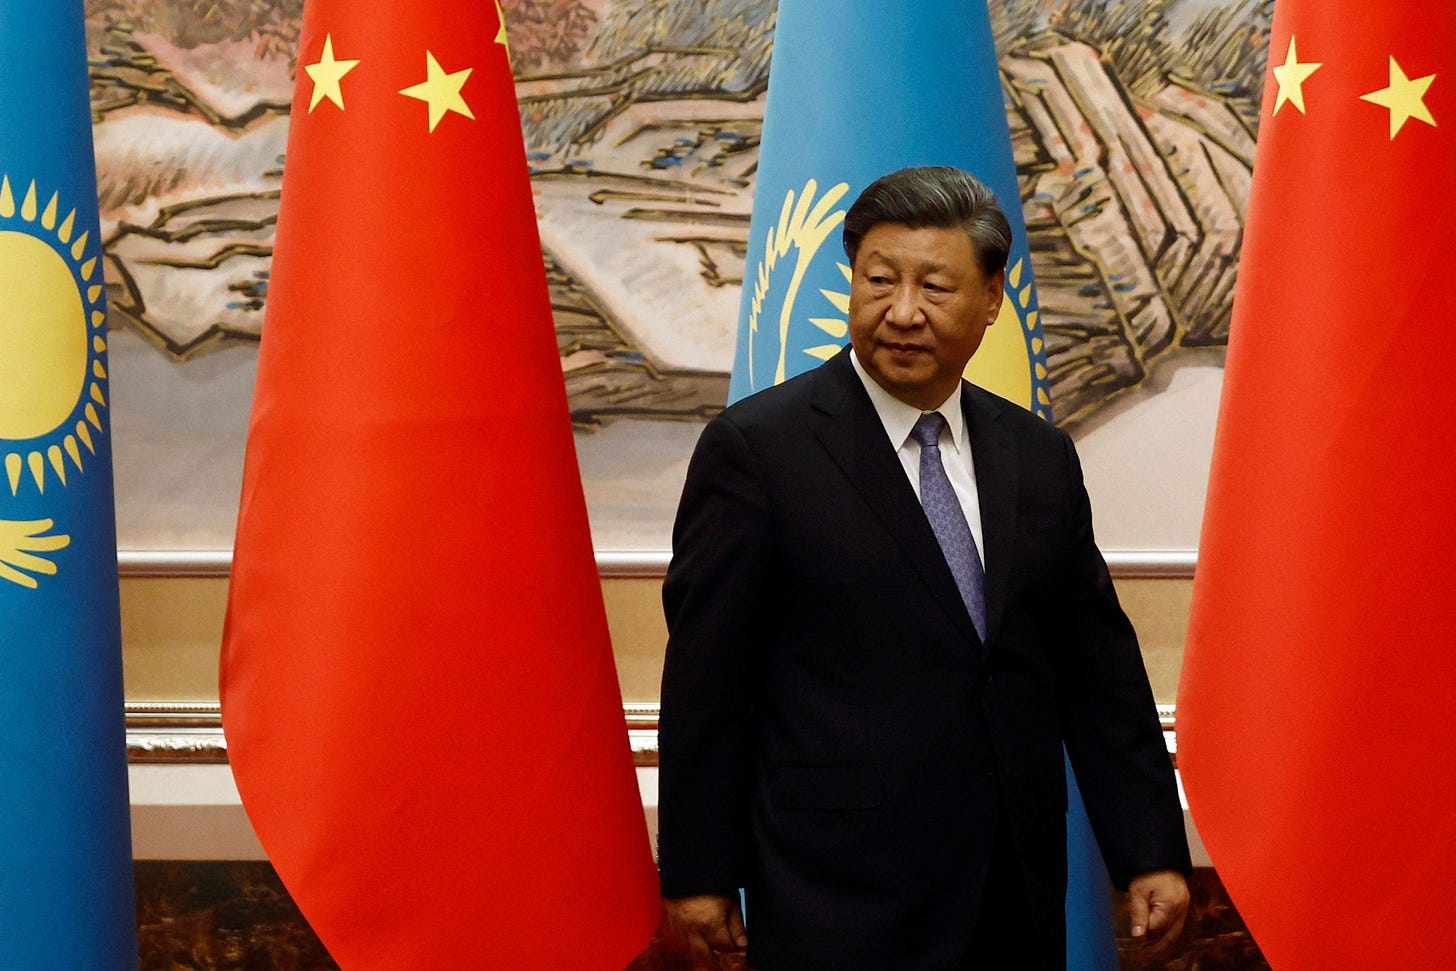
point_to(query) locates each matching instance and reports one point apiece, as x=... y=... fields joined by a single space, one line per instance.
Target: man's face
x=918 y=308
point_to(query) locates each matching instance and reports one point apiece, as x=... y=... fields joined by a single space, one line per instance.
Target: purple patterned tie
x=948 y=521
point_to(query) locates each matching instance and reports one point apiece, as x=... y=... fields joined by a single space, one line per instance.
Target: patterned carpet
x=238 y=917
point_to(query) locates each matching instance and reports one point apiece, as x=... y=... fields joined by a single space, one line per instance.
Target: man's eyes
x=885 y=280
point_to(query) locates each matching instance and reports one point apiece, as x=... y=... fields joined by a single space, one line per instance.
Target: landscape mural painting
x=1133 y=125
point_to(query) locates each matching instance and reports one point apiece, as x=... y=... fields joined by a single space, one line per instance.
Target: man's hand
x=1158 y=903
x=710 y=924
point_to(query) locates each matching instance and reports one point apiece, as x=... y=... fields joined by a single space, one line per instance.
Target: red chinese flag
x=1317 y=711
x=418 y=691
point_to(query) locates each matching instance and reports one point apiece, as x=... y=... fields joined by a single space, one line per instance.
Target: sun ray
x=88 y=268
x=58 y=462
x=74 y=451
x=13 y=466
x=79 y=246
x=835 y=327
x=832 y=326
x=64 y=233
x=1024 y=296
x=48 y=218
x=93 y=294
x=98 y=343
x=92 y=417
x=27 y=207
x=7 y=199
x=97 y=319
x=1014 y=277
x=840 y=301
x=36 y=461
x=84 y=434
x=98 y=369
x=96 y=394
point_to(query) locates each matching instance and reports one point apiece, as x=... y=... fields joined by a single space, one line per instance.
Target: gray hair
x=933 y=196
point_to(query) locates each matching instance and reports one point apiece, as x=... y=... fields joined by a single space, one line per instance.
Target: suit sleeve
x=714 y=599
x=1110 y=719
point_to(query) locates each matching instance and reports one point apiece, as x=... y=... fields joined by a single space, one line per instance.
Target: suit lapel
x=993 y=450
x=851 y=431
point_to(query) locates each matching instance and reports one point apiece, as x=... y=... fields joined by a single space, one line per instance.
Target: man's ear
x=995 y=294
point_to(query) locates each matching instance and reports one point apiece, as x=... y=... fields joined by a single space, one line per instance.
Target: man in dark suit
x=863 y=716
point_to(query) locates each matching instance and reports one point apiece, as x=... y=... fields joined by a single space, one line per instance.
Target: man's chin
x=910 y=385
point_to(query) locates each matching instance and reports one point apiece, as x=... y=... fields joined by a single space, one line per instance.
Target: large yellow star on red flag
x=1291 y=76
x=327 y=74
x=440 y=91
x=1404 y=97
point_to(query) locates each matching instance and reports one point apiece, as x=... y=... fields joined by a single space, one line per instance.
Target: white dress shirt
x=955 y=446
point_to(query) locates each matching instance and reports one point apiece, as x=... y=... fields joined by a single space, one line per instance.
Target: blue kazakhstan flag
x=65 y=848
x=859 y=88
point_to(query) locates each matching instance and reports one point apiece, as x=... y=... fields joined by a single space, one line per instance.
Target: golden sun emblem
x=804 y=223
x=52 y=375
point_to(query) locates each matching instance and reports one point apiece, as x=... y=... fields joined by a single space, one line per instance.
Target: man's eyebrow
x=938 y=266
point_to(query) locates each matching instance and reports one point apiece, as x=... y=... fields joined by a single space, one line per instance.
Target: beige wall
x=171 y=629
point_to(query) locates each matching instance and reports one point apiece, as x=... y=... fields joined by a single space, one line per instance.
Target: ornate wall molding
x=191 y=732
x=1140 y=564
x=174 y=732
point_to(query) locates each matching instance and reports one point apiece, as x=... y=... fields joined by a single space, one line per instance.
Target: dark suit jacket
x=835 y=737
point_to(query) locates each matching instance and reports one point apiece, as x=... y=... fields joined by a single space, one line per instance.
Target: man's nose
x=904 y=309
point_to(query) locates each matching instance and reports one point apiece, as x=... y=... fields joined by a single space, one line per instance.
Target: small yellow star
x=326 y=75
x=440 y=91
x=500 y=35
x=1404 y=98
x=1291 y=76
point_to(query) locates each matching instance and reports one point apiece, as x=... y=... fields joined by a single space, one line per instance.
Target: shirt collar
x=899 y=418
